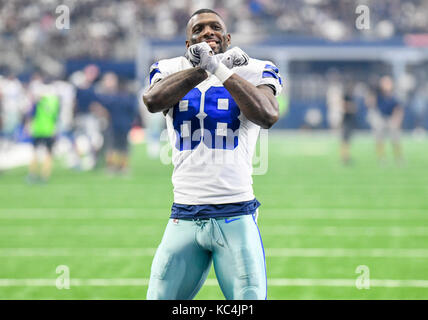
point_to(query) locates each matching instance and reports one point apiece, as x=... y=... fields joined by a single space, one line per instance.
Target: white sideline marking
x=18 y=155
x=346 y=283
x=270 y=252
x=160 y=214
x=73 y=282
x=65 y=230
x=345 y=214
x=68 y=252
x=82 y=214
x=344 y=252
x=275 y=282
x=267 y=230
x=367 y=231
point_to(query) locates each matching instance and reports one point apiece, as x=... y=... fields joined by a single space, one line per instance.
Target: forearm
x=166 y=93
x=253 y=102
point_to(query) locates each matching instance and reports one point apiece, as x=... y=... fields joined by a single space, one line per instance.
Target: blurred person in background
x=67 y=95
x=42 y=128
x=419 y=107
x=386 y=116
x=349 y=110
x=334 y=98
x=13 y=105
x=65 y=142
x=121 y=110
x=154 y=123
x=85 y=130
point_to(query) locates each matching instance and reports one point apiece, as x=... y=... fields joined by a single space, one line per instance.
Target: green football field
x=329 y=231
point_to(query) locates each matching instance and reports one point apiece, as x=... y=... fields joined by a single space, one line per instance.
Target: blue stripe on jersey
x=152 y=73
x=269 y=74
x=204 y=211
x=269 y=66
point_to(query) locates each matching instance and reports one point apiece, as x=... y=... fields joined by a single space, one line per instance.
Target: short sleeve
x=271 y=76
x=155 y=74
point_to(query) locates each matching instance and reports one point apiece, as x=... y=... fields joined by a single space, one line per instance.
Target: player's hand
x=235 y=57
x=193 y=53
x=209 y=62
x=202 y=55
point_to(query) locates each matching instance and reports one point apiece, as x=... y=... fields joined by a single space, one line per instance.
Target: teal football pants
x=188 y=247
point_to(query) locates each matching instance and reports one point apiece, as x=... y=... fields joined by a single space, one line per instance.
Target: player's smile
x=213 y=43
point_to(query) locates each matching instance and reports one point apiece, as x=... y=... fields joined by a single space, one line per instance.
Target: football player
x=215 y=100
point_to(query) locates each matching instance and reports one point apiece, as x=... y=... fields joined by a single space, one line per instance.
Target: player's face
x=386 y=85
x=210 y=28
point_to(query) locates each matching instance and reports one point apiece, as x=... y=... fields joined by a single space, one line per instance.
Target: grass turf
x=309 y=200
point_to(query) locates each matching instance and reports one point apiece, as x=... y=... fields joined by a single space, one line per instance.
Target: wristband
x=222 y=72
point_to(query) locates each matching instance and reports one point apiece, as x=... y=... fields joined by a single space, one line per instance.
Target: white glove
x=234 y=57
x=194 y=52
x=202 y=55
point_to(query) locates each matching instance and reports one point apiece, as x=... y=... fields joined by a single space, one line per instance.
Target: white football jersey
x=212 y=141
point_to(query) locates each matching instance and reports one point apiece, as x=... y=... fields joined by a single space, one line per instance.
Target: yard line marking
x=275 y=282
x=79 y=214
x=267 y=230
x=345 y=214
x=84 y=214
x=270 y=252
x=74 y=282
x=163 y=214
x=344 y=252
x=67 y=252
x=346 y=283
x=367 y=231
x=102 y=185
x=65 y=230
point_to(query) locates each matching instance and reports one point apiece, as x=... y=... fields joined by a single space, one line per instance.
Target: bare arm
x=164 y=94
x=258 y=104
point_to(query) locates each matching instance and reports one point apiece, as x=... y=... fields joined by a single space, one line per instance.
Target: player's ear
x=229 y=39
x=187 y=44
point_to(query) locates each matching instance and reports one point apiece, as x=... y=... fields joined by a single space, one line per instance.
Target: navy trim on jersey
x=204 y=211
x=274 y=68
x=152 y=73
x=269 y=74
